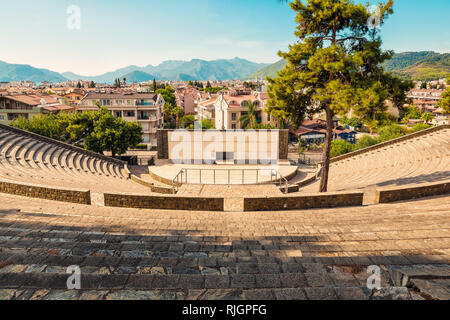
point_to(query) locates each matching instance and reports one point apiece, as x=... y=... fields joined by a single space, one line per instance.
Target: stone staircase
x=30 y=161
x=422 y=159
x=145 y=254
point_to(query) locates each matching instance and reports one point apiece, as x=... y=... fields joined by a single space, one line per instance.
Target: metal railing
x=182 y=177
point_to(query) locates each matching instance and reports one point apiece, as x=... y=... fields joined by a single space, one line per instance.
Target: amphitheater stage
x=222 y=174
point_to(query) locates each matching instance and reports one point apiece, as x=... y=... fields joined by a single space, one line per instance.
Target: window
x=130 y=114
x=233 y=117
x=119 y=101
x=233 y=126
x=128 y=102
x=2 y=117
x=118 y=114
x=268 y=117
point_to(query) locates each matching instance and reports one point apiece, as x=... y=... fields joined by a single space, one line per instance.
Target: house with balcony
x=144 y=108
x=28 y=106
x=230 y=107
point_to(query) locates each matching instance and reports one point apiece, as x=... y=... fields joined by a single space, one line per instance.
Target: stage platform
x=222 y=174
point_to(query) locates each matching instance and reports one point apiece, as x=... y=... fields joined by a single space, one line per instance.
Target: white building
x=144 y=108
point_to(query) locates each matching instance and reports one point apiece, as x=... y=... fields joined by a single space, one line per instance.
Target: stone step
x=149 y=278
x=350 y=293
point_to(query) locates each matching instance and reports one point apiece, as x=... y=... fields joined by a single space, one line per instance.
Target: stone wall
x=42 y=192
x=62 y=145
x=162 y=137
x=164 y=202
x=329 y=200
x=152 y=187
x=410 y=193
x=284 y=144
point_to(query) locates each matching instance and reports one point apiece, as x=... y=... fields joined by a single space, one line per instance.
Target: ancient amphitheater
x=134 y=239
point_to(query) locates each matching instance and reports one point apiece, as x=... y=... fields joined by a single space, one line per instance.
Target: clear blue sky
x=117 y=33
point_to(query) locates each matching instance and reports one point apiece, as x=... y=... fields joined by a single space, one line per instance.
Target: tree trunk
x=326 y=151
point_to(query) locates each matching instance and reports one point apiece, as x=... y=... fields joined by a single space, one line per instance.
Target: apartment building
x=206 y=109
x=144 y=108
x=74 y=96
x=425 y=98
x=185 y=99
x=230 y=106
x=29 y=106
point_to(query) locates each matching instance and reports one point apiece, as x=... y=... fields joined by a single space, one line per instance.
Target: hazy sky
x=119 y=33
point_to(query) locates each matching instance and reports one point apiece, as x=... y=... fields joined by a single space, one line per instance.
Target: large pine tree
x=335 y=66
x=444 y=103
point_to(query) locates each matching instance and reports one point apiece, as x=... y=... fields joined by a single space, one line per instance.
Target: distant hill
x=432 y=67
x=137 y=76
x=108 y=77
x=195 y=69
x=424 y=65
x=22 y=72
x=404 y=60
x=269 y=71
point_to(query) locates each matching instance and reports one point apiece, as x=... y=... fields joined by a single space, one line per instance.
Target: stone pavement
x=157 y=254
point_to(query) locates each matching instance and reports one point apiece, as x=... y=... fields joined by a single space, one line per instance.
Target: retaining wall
x=410 y=193
x=329 y=200
x=164 y=202
x=43 y=192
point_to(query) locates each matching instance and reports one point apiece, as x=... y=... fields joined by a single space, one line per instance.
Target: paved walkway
x=156 y=254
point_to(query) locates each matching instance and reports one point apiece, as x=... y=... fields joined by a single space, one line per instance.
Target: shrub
x=390 y=132
x=419 y=127
x=141 y=147
x=340 y=147
x=365 y=142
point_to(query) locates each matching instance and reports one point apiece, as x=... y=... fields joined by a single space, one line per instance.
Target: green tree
x=154 y=85
x=171 y=111
x=207 y=124
x=187 y=121
x=96 y=131
x=340 y=147
x=427 y=117
x=113 y=134
x=444 y=103
x=79 y=85
x=398 y=90
x=390 y=132
x=92 y=84
x=423 y=85
x=355 y=122
x=249 y=119
x=334 y=66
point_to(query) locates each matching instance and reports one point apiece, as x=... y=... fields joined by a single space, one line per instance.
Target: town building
x=206 y=110
x=144 y=108
x=231 y=106
x=29 y=106
x=314 y=132
x=425 y=99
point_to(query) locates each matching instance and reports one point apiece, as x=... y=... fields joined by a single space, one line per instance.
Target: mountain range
x=195 y=69
x=420 y=66
x=23 y=72
x=424 y=65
